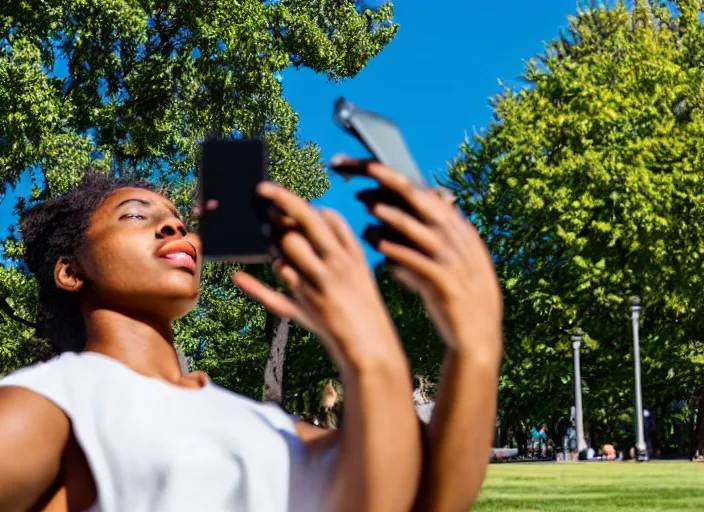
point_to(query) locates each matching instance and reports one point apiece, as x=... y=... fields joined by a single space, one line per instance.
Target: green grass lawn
x=593 y=486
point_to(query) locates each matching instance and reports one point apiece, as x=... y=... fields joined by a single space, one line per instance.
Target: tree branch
x=7 y=309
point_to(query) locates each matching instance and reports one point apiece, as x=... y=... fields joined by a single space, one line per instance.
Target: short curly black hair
x=55 y=229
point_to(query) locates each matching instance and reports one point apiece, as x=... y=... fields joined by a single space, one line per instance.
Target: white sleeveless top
x=156 y=447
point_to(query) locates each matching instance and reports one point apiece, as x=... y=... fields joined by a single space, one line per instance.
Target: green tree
x=144 y=83
x=588 y=186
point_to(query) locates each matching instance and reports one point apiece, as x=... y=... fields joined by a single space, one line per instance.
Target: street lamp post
x=576 y=343
x=641 y=448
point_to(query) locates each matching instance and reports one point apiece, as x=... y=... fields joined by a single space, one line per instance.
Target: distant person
x=543 y=432
x=550 y=449
x=539 y=440
x=424 y=406
x=609 y=452
x=331 y=407
x=543 y=439
x=534 y=441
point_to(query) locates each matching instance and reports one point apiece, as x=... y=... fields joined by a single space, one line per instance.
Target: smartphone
x=383 y=139
x=380 y=136
x=239 y=228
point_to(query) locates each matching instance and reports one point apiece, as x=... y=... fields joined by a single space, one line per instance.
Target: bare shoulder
x=24 y=413
x=33 y=435
x=315 y=437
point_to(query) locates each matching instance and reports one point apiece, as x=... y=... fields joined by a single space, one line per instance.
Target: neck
x=144 y=345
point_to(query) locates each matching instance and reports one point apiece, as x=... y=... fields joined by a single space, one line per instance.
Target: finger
x=210 y=206
x=283 y=221
x=289 y=276
x=428 y=206
x=410 y=258
x=299 y=253
x=272 y=300
x=275 y=302
x=447 y=195
x=310 y=221
x=383 y=195
x=407 y=225
x=406 y=277
x=342 y=230
x=277 y=264
x=338 y=158
x=279 y=217
x=348 y=167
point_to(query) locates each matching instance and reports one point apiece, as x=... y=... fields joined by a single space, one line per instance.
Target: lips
x=180 y=253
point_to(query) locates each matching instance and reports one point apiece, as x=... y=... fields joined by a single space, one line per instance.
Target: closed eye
x=133 y=216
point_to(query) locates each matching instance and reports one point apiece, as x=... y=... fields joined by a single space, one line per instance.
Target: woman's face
x=140 y=259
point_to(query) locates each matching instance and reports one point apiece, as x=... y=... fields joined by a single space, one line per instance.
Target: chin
x=181 y=298
x=184 y=303
x=180 y=313
x=180 y=307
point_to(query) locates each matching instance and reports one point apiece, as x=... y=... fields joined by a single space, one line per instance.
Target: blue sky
x=434 y=80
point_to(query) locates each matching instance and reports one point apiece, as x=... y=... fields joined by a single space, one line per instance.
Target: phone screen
x=239 y=228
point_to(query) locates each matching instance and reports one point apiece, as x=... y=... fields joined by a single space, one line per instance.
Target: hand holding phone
x=333 y=294
x=444 y=260
x=383 y=139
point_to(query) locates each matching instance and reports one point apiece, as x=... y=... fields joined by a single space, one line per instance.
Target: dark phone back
x=239 y=229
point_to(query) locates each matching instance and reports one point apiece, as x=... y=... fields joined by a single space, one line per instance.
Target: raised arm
x=334 y=295
x=448 y=264
x=33 y=436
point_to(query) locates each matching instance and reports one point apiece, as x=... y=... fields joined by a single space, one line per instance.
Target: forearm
x=459 y=436
x=380 y=453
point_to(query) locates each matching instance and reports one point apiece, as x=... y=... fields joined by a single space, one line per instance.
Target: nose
x=170 y=227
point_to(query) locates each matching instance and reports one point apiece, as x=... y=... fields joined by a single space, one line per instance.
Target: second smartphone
x=239 y=228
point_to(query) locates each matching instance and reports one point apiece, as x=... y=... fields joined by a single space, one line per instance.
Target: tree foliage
x=589 y=187
x=133 y=88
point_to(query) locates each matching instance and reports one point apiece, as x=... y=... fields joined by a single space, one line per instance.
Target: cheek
x=119 y=261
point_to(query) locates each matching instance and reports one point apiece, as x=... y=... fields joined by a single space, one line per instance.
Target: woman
x=117 y=426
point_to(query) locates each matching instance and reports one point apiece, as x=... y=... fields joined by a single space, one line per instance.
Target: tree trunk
x=698 y=434
x=521 y=440
x=503 y=435
x=277 y=336
x=692 y=428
